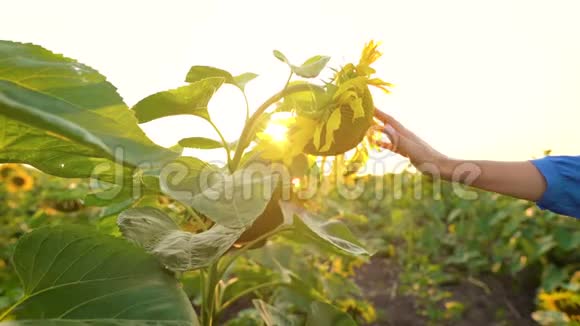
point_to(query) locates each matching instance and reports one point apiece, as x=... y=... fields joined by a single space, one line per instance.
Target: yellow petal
x=317 y=136
x=357 y=107
x=370 y=53
x=332 y=125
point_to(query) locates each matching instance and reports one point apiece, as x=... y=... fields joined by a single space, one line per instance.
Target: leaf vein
x=74 y=262
x=54 y=260
x=110 y=294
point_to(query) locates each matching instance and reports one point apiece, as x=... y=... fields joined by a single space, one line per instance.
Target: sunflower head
x=346 y=117
x=359 y=309
x=331 y=119
x=19 y=182
x=8 y=169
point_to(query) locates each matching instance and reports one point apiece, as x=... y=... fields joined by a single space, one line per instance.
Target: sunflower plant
x=65 y=119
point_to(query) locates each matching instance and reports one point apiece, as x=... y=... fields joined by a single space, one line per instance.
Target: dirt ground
x=380 y=283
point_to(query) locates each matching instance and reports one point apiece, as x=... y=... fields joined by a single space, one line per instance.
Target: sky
x=494 y=79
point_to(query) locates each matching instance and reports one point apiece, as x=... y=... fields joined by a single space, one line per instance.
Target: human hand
x=406 y=143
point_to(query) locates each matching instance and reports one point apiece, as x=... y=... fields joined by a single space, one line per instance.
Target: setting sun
x=277 y=130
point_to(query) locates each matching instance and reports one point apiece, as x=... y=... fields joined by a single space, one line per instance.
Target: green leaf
x=201 y=143
x=332 y=235
x=197 y=73
x=189 y=99
x=553 y=277
x=236 y=200
x=567 y=239
x=280 y=56
x=243 y=79
x=73 y=275
x=273 y=316
x=309 y=103
x=52 y=154
x=184 y=177
x=322 y=314
x=176 y=249
x=312 y=67
x=58 y=111
x=309 y=69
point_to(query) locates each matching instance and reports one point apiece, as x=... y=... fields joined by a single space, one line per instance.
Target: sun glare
x=277 y=131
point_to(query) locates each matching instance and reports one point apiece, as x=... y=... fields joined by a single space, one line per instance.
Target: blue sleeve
x=562 y=174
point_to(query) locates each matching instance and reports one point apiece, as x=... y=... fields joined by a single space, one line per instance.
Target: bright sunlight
x=277 y=131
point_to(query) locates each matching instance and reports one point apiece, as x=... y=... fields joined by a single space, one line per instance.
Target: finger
x=384 y=145
x=388 y=119
x=392 y=134
x=377 y=128
x=381 y=116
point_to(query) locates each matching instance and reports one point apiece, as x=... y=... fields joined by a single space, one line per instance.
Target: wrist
x=446 y=166
x=435 y=164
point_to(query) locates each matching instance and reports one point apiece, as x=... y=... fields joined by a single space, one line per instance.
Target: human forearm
x=516 y=179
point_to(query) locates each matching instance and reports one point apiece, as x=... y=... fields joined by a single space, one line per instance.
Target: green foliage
x=176 y=249
x=273 y=316
x=64 y=117
x=445 y=238
x=200 y=142
x=190 y=99
x=236 y=200
x=324 y=314
x=332 y=234
x=197 y=73
x=311 y=68
x=74 y=273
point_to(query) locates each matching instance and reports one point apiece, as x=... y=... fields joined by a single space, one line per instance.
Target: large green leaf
x=176 y=249
x=73 y=275
x=324 y=314
x=55 y=155
x=331 y=234
x=236 y=200
x=232 y=200
x=66 y=112
x=189 y=99
x=197 y=73
x=185 y=177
